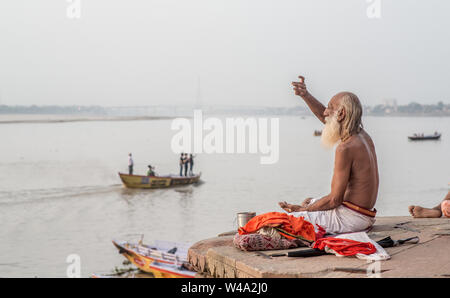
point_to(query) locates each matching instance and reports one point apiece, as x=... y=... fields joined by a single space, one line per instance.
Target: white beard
x=331 y=132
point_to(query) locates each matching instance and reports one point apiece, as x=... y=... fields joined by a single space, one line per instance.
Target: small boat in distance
x=422 y=137
x=317 y=133
x=137 y=181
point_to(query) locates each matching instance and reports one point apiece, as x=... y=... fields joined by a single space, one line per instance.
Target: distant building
x=390 y=106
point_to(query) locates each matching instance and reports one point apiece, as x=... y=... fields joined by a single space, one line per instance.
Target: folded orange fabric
x=294 y=226
x=345 y=247
x=445 y=207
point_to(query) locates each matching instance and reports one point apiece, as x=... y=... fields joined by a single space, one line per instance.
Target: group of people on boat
x=186 y=161
x=423 y=135
x=150 y=171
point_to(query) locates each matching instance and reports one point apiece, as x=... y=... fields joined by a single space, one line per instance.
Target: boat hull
x=425 y=138
x=170 y=271
x=158 y=266
x=140 y=261
x=149 y=182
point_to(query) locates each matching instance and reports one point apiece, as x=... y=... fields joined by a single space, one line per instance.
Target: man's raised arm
x=314 y=105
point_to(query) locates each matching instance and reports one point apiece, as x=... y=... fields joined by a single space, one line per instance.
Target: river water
x=60 y=193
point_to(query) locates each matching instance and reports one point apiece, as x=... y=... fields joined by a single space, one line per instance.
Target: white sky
x=246 y=52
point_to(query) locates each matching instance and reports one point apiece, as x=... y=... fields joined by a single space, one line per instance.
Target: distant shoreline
x=36 y=118
x=64 y=118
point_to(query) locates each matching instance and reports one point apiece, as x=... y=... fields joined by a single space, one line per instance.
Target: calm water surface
x=60 y=193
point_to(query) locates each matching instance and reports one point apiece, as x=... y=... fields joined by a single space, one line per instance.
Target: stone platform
x=217 y=257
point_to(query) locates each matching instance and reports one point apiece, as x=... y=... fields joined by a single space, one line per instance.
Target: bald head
x=338 y=98
x=349 y=112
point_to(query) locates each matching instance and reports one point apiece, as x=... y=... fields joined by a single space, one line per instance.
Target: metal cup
x=244 y=217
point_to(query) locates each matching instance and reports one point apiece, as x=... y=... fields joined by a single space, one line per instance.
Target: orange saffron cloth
x=345 y=247
x=293 y=225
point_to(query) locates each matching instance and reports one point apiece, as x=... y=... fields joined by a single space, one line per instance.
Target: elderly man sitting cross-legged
x=354 y=187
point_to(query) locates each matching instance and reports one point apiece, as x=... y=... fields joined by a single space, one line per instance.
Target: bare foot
x=420 y=212
x=411 y=210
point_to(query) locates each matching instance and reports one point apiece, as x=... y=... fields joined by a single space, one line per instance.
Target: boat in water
x=163 y=258
x=421 y=137
x=137 y=274
x=137 y=181
x=317 y=133
x=161 y=270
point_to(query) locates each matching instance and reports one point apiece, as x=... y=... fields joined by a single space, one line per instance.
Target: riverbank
x=217 y=257
x=38 y=118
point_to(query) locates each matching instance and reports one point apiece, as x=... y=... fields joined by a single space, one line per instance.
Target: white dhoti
x=337 y=221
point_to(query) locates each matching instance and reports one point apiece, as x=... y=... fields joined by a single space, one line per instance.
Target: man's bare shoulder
x=366 y=137
x=358 y=140
x=344 y=149
x=349 y=144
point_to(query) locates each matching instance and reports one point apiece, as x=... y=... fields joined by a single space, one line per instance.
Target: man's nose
x=326 y=112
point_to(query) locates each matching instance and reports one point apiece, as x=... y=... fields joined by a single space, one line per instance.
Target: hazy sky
x=245 y=52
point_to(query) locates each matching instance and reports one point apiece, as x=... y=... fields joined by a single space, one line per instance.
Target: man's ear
x=341 y=114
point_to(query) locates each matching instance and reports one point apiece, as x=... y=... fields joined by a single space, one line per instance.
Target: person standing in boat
x=191 y=164
x=186 y=164
x=150 y=171
x=182 y=160
x=130 y=164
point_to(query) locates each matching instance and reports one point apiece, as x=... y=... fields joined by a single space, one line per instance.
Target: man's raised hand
x=300 y=87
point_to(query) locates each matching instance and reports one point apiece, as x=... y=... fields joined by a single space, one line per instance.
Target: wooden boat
x=136 y=181
x=161 y=270
x=162 y=259
x=95 y=275
x=424 y=138
x=317 y=133
x=138 y=274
